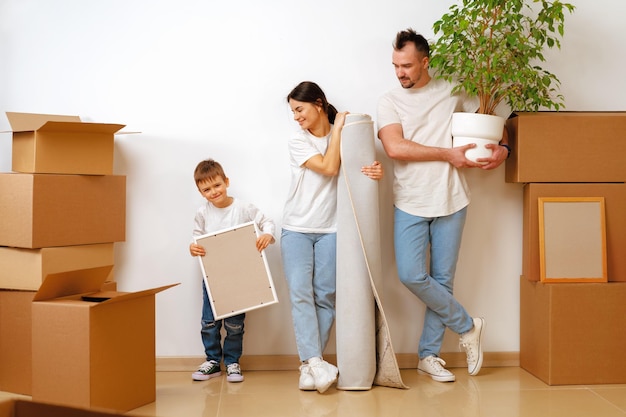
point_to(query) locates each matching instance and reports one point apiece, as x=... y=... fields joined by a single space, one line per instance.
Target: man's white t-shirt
x=430 y=188
x=311 y=205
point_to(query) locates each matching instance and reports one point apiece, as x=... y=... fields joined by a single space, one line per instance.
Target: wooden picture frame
x=236 y=275
x=572 y=239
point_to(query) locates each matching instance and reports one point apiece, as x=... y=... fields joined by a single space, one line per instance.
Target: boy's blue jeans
x=310 y=266
x=412 y=237
x=212 y=335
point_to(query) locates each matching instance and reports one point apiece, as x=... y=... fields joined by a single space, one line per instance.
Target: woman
x=308 y=240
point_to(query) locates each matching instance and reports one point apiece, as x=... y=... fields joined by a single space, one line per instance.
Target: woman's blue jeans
x=413 y=235
x=310 y=265
x=212 y=334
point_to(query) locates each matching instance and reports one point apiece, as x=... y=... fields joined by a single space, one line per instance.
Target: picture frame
x=572 y=239
x=236 y=275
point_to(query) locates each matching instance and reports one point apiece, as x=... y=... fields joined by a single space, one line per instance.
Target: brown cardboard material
x=615 y=206
x=56 y=144
x=572 y=333
x=46 y=210
x=15 y=341
x=567 y=147
x=93 y=354
x=21 y=408
x=25 y=269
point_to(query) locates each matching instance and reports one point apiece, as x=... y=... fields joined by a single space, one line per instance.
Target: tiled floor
x=496 y=392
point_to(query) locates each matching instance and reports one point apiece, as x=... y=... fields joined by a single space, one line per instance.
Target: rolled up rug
x=365 y=353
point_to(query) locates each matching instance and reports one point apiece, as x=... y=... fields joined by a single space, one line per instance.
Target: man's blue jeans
x=412 y=237
x=212 y=335
x=310 y=266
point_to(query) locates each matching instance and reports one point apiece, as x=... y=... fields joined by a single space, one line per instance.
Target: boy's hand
x=264 y=241
x=196 y=250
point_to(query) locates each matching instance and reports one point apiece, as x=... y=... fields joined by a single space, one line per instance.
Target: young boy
x=220 y=212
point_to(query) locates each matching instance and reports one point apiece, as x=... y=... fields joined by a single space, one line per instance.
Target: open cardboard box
x=56 y=144
x=93 y=348
x=13 y=407
x=45 y=210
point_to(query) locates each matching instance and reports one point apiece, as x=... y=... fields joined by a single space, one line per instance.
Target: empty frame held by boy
x=236 y=274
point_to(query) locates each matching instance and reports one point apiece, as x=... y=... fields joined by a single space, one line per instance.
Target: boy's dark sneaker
x=208 y=370
x=233 y=373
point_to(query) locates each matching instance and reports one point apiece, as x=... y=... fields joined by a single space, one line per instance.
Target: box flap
x=125 y=296
x=25 y=122
x=81 y=281
x=79 y=127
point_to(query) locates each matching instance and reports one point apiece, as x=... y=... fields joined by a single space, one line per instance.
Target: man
x=430 y=198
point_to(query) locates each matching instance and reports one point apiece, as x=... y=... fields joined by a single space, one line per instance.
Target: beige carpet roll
x=365 y=354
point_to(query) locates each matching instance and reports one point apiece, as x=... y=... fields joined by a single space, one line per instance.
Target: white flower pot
x=477 y=128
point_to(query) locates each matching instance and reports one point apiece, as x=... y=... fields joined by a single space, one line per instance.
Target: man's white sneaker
x=306 y=382
x=471 y=343
x=434 y=366
x=324 y=373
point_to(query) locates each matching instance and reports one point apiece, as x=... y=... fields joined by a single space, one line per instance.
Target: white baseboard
x=291 y=362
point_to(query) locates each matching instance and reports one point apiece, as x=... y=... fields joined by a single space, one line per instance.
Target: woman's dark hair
x=409 y=35
x=309 y=92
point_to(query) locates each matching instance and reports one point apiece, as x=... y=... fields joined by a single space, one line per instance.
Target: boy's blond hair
x=207 y=170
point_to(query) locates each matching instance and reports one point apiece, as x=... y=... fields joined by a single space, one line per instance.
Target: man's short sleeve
x=386 y=113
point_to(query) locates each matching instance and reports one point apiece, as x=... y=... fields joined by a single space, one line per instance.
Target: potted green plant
x=493 y=50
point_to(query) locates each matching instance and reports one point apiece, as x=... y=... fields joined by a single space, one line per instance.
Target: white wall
x=208 y=79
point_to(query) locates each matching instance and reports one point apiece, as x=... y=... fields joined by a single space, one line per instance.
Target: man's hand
x=498 y=156
x=456 y=157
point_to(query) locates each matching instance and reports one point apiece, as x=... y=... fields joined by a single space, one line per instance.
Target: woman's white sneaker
x=306 y=382
x=324 y=373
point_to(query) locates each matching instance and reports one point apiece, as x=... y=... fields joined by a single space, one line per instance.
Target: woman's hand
x=374 y=171
x=340 y=120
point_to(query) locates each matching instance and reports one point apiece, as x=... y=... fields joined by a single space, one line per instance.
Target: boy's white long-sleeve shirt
x=212 y=219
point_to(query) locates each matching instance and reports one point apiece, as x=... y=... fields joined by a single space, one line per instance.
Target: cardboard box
x=98 y=353
x=615 y=206
x=55 y=144
x=15 y=341
x=572 y=333
x=567 y=147
x=46 y=210
x=12 y=407
x=25 y=269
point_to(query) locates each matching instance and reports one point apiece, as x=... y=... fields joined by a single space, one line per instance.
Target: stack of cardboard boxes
x=572 y=333
x=66 y=336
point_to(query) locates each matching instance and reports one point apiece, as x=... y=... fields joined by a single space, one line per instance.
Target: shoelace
x=233 y=368
x=437 y=363
x=206 y=366
x=467 y=347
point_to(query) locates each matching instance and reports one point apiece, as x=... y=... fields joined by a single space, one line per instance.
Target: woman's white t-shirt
x=311 y=205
